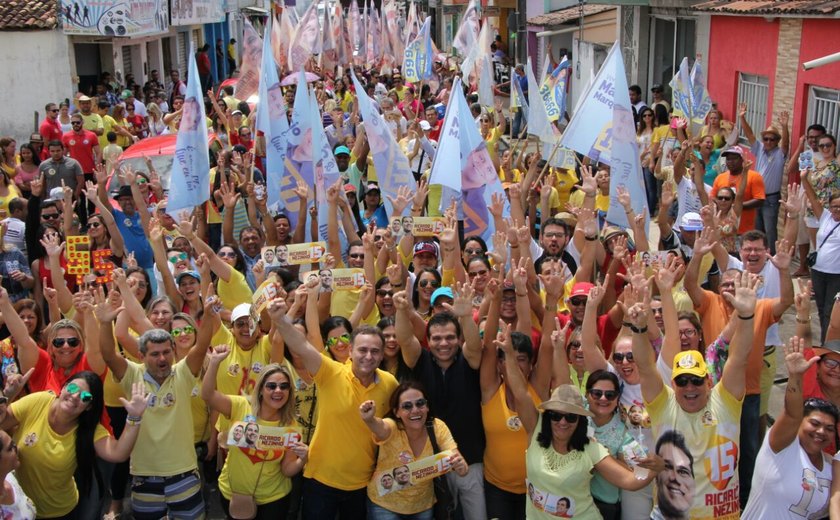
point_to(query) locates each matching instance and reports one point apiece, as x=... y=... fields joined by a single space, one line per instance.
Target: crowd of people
x=561 y=368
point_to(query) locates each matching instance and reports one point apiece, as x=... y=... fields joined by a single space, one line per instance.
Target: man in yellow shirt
x=92 y=120
x=163 y=462
x=342 y=453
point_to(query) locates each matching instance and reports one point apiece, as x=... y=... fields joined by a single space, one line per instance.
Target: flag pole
x=547 y=164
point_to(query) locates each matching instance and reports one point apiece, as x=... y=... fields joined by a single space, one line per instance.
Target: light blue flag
x=486 y=83
x=602 y=128
x=392 y=166
x=272 y=121
x=517 y=97
x=417 y=60
x=701 y=101
x=189 y=185
x=299 y=155
x=559 y=78
x=472 y=186
x=325 y=167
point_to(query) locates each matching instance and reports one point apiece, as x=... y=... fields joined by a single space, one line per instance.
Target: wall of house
x=819 y=38
x=740 y=44
x=39 y=62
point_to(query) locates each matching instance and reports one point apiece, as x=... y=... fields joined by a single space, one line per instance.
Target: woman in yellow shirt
x=9 y=159
x=403 y=438
x=264 y=448
x=8 y=191
x=59 y=435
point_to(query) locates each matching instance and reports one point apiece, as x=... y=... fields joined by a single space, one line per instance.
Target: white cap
x=424 y=125
x=240 y=311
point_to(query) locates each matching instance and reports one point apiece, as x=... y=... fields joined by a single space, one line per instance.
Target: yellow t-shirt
x=48 y=460
x=602 y=202
x=504 y=465
x=14 y=193
x=512 y=175
x=92 y=122
x=108 y=123
x=162 y=448
x=395 y=451
x=111 y=388
x=492 y=141
x=252 y=471
x=712 y=436
x=239 y=371
x=566 y=180
x=342 y=454
x=660 y=133
x=235 y=291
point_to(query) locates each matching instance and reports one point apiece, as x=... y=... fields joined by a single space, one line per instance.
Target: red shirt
x=50 y=130
x=434 y=133
x=203 y=63
x=607 y=332
x=80 y=145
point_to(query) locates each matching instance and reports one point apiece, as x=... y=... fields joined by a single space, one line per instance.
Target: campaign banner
x=308 y=253
x=249 y=69
x=260 y=442
x=425 y=226
x=345 y=279
x=196 y=12
x=78 y=256
x=412 y=473
x=114 y=17
x=267 y=291
x=417 y=59
x=555 y=505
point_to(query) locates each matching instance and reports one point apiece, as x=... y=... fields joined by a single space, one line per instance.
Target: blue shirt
x=135 y=238
x=249 y=269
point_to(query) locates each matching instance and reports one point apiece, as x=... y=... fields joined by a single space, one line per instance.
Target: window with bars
x=824 y=108
x=754 y=91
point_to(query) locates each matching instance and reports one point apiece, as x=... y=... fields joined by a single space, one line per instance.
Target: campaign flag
x=328 y=58
x=538 y=121
x=324 y=166
x=603 y=130
x=374 y=39
x=691 y=98
x=280 y=40
x=486 y=82
x=467 y=35
x=299 y=155
x=354 y=28
x=272 y=122
x=473 y=184
x=517 y=97
x=553 y=88
x=391 y=28
x=479 y=50
x=417 y=60
x=392 y=167
x=189 y=185
x=412 y=24
x=249 y=69
x=307 y=38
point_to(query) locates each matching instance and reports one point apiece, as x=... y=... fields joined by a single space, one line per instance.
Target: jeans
x=826 y=286
x=516 y=127
x=376 y=512
x=651 y=190
x=468 y=491
x=750 y=443
x=767 y=219
x=322 y=501
x=503 y=504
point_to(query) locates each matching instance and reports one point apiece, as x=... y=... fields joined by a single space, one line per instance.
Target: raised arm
x=222 y=269
x=302 y=191
x=593 y=358
x=666 y=277
x=782 y=259
x=409 y=344
x=295 y=341
x=462 y=309
x=53 y=250
x=27 y=347
x=113 y=450
x=816 y=204
x=106 y=315
x=702 y=245
x=216 y=400
x=744 y=301
x=380 y=429
x=515 y=380
x=793 y=205
x=117 y=244
x=638 y=315
x=787 y=424
x=333 y=241
x=742 y=117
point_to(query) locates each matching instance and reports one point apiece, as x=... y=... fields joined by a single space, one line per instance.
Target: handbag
x=243 y=506
x=811 y=259
x=444 y=508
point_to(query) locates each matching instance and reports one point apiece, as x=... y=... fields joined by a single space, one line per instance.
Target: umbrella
x=292 y=78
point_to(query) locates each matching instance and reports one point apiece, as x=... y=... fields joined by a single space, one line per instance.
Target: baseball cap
x=689 y=362
x=240 y=311
x=442 y=291
x=425 y=247
x=84 y=98
x=181 y=276
x=691 y=221
x=124 y=191
x=349 y=187
x=737 y=150
x=424 y=125
x=656 y=87
x=372 y=186
x=236 y=112
x=126 y=94
x=581 y=289
x=57 y=194
x=342 y=150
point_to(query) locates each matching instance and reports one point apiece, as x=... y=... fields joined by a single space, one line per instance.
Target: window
x=126 y=57
x=672 y=38
x=824 y=108
x=754 y=91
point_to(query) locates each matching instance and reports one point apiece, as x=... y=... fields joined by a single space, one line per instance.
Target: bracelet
x=133 y=421
x=627 y=324
x=751 y=316
x=591 y=238
x=521 y=294
x=517 y=247
x=804 y=321
x=449 y=249
x=637 y=330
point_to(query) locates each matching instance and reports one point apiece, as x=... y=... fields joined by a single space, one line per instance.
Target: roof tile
x=568 y=14
x=767 y=7
x=18 y=15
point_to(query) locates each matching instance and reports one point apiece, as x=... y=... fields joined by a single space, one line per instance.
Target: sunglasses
x=53 y=110
x=344 y=338
x=683 y=380
x=377 y=238
x=273 y=385
x=180 y=257
x=619 y=357
x=74 y=123
x=226 y=254
x=726 y=199
x=426 y=283
x=769 y=139
x=95 y=225
x=141 y=180
x=597 y=394
x=84 y=395
x=410 y=405
x=830 y=363
x=59 y=342
x=553 y=416
x=825 y=145
x=383 y=293
x=49 y=216
x=356 y=256
x=577 y=301
x=187 y=329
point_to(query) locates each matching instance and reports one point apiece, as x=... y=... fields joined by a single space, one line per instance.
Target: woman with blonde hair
x=258 y=473
x=155 y=120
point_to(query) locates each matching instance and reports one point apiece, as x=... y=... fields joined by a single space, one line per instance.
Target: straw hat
x=566 y=399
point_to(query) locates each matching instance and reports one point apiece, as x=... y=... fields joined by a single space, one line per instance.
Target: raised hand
x=705 y=242
x=520 y=275
x=668 y=273
x=51 y=245
x=217 y=354
x=795 y=359
x=668 y=196
x=744 y=299
x=15 y=383
x=139 y=400
x=103 y=309
x=229 y=195
x=401 y=201
x=554 y=280
x=499 y=251
x=742 y=109
x=795 y=200
x=802 y=301
x=784 y=118
x=302 y=191
x=277 y=309
x=402 y=301
x=624 y=198
x=497 y=204
x=784 y=255
x=588 y=183
x=367 y=410
x=464 y=294
x=36 y=185
x=421 y=194
x=596 y=294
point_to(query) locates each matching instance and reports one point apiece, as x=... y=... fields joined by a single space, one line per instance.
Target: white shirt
x=15 y=230
x=688 y=197
x=787 y=485
x=828 y=252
